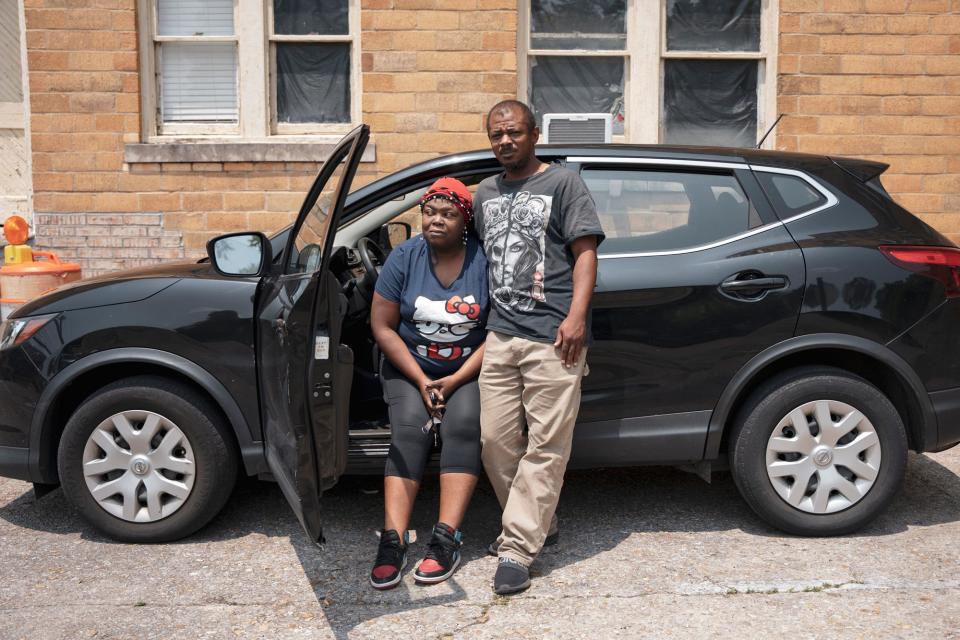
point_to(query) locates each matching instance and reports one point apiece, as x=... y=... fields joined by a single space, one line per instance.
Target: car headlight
x=15 y=331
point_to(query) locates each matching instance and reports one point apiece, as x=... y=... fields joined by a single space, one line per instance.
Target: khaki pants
x=525 y=382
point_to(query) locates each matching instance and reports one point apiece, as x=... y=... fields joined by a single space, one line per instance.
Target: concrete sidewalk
x=644 y=553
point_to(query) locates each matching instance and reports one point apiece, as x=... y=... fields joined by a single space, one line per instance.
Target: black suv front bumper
x=20 y=388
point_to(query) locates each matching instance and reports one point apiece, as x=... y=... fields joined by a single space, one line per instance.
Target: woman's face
x=442 y=224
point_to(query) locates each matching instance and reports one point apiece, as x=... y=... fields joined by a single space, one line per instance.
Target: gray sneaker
x=552 y=540
x=511 y=577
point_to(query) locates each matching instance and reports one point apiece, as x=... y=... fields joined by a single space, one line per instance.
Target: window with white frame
x=674 y=71
x=310 y=54
x=250 y=68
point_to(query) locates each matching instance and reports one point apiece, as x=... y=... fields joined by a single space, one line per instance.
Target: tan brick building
x=156 y=125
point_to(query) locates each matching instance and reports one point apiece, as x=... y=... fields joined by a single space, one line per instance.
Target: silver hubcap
x=823 y=457
x=139 y=466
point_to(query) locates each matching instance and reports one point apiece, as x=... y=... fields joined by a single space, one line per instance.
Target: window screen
x=647 y=210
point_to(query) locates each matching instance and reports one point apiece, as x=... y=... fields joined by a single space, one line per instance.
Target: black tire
x=213 y=452
x=773 y=401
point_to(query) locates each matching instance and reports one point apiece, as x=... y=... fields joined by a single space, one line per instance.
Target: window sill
x=204 y=151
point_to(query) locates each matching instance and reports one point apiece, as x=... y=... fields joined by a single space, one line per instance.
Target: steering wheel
x=372 y=257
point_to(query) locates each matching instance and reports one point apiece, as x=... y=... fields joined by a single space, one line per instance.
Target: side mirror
x=394 y=234
x=240 y=254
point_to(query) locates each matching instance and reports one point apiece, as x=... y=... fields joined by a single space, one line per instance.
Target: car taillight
x=940 y=263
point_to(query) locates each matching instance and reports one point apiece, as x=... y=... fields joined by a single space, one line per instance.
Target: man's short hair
x=507 y=105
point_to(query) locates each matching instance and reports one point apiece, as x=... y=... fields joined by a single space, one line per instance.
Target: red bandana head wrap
x=453 y=190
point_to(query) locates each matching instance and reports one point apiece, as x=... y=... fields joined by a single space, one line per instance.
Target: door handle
x=753 y=284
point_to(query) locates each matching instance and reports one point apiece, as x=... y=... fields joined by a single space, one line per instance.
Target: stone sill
x=161 y=152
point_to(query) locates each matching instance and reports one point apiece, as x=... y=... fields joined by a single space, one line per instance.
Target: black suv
x=776 y=312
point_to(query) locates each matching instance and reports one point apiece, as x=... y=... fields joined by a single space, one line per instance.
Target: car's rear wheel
x=147 y=460
x=818 y=451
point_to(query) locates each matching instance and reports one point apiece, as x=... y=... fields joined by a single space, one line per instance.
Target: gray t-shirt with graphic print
x=526 y=227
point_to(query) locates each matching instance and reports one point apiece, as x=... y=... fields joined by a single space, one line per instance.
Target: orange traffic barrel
x=20 y=283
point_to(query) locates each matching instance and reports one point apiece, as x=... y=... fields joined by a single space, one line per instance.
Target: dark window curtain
x=313 y=82
x=562 y=84
x=713 y=25
x=710 y=102
x=589 y=24
x=304 y=17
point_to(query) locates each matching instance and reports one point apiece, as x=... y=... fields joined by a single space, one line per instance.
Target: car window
x=412 y=215
x=647 y=210
x=790 y=194
x=308 y=243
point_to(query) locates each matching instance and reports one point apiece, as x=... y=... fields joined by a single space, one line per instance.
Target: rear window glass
x=791 y=195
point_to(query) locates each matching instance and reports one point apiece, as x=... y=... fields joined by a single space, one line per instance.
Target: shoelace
x=389 y=552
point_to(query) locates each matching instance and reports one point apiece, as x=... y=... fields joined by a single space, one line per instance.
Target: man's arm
x=572 y=334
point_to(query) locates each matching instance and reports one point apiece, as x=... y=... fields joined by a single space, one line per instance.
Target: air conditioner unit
x=565 y=128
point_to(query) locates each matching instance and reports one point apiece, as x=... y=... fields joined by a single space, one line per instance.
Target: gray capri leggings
x=410 y=446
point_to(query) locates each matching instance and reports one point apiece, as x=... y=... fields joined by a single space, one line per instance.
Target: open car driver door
x=304 y=372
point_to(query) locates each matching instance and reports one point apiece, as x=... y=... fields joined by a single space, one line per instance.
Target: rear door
x=696 y=277
x=304 y=372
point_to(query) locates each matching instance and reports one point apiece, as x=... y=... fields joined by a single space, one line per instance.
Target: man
x=540 y=230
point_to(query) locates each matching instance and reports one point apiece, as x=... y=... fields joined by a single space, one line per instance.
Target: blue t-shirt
x=441 y=326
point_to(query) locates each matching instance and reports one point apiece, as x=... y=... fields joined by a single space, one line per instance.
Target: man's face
x=511 y=140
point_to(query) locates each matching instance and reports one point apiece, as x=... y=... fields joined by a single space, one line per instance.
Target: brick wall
x=878 y=79
x=431 y=69
x=109 y=241
x=874 y=78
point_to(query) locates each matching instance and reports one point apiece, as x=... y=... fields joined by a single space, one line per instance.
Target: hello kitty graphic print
x=444 y=323
x=440 y=325
x=515 y=225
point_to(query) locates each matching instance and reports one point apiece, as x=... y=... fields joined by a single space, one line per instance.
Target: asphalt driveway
x=643 y=553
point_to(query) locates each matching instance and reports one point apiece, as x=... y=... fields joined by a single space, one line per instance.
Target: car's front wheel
x=147 y=460
x=818 y=451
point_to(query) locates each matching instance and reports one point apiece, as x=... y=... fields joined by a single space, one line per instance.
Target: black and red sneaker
x=442 y=557
x=391 y=559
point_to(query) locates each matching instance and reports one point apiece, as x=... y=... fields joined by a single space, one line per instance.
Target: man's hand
x=572 y=333
x=571 y=336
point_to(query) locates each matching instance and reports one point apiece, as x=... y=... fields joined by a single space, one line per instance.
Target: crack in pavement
x=741 y=589
x=707 y=588
x=482 y=618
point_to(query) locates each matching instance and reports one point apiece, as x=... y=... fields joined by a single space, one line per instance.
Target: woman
x=428 y=316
